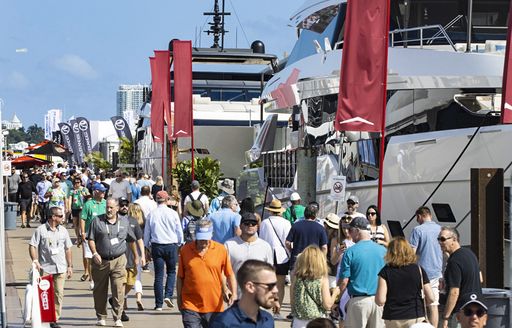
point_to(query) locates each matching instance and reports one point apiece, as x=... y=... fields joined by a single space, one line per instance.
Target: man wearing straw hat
x=274 y=230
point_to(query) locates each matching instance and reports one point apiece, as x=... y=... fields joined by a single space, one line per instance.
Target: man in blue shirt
x=226 y=221
x=258 y=281
x=430 y=257
x=163 y=234
x=359 y=271
x=306 y=232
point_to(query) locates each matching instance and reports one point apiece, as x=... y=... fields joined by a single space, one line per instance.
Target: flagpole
x=163 y=142
x=383 y=123
x=192 y=143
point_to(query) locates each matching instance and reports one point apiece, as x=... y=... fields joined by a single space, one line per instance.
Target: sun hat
x=204 y=233
x=332 y=221
x=275 y=206
x=226 y=185
x=195 y=208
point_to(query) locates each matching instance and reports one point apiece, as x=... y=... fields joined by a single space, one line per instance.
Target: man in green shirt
x=296 y=211
x=92 y=208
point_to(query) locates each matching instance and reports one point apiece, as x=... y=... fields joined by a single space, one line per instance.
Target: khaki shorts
x=131 y=276
x=434 y=284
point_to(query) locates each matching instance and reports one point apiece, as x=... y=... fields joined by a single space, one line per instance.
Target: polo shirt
x=202 y=277
x=110 y=238
x=51 y=247
x=361 y=264
x=234 y=317
x=92 y=208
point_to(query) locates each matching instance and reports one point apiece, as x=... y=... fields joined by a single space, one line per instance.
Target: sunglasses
x=443 y=239
x=371 y=213
x=268 y=286
x=124 y=205
x=350 y=202
x=250 y=223
x=59 y=216
x=479 y=313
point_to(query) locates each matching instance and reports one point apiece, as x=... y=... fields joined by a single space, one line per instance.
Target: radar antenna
x=217 y=26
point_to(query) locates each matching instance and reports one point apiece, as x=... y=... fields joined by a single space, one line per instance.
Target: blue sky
x=73 y=55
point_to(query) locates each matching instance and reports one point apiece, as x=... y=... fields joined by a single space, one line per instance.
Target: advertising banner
x=79 y=145
x=67 y=138
x=121 y=127
x=85 y=132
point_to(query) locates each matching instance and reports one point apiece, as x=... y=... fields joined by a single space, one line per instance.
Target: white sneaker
x=168 y=302
x=101 y=322
x=118 y=323
x=91 y=285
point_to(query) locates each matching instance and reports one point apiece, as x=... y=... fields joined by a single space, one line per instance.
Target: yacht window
x=479 y=103
x=319 y=21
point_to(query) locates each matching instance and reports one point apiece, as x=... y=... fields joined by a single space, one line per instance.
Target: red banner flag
x=163 y=66
x=45 y=292
x=157 y=110
x=183 y=120
x=362 y=93
x=506 y=94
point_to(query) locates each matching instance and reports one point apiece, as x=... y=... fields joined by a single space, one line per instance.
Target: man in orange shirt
x=200 y=286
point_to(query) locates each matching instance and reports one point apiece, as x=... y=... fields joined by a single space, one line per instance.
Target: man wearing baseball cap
x=296 y=210
x=358 y=274
x=202 y=263
x=352 y=206
x=473 y=312
x=163 y=234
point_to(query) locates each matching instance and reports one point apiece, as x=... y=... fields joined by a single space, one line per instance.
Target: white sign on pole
x=6 y=168
x=338 y=185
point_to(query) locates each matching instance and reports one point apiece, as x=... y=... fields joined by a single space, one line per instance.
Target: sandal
x=84 y=277
x=140 y=306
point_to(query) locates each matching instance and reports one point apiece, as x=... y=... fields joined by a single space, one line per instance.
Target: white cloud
x=17 y=80
x=77 y=66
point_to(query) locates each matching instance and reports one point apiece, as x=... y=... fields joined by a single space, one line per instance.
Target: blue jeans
x=192 y=319
x=164 y=254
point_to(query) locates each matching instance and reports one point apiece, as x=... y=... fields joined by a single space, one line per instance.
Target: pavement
x=78 y=308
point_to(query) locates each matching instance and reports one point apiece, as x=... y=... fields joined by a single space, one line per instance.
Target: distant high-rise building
x=130 y=99
x=51 y=122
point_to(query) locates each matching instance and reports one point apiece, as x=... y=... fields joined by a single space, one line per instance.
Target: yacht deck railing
x=441 y=34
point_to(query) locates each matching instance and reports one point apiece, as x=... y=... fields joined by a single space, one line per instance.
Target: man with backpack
x=195 y=195
x=195 y=212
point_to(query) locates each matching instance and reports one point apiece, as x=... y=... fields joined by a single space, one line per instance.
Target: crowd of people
x=342 y=269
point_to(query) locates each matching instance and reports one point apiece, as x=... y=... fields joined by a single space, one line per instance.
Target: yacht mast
x=217 y=26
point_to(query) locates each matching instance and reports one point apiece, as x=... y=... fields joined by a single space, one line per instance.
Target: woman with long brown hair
x=401 y=285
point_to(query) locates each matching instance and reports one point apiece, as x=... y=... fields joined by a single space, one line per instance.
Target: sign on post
x=338 y=185
x=6 y=168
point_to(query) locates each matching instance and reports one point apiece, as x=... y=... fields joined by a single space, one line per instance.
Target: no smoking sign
x=338 y=184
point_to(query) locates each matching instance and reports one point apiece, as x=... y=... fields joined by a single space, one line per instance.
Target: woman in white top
x=274 y=230
x=378 y=232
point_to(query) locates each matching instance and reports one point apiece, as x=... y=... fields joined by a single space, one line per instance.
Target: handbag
x=423 y=296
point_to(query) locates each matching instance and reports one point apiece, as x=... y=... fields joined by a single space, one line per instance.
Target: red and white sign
x=46 y=296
